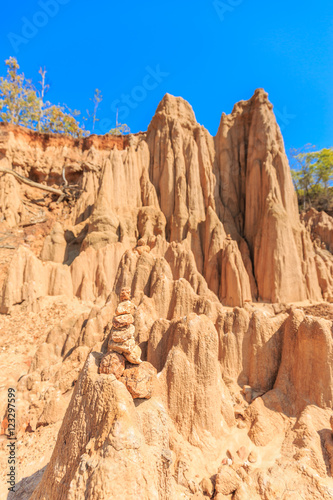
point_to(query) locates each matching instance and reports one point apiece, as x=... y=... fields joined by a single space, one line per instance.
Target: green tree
x=22 y=104
x=120 y=129
x=57 y=120
x=312 y=173
x=322 y=164
x=18 y=100
x=302 y=173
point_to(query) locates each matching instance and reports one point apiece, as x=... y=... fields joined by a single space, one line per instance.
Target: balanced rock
x=123 y=320
x=125 y=294
x=134 y=356
x=122 y=347
x=122 y=334
x=112 y=363
x=125 y=307
x=139 y=380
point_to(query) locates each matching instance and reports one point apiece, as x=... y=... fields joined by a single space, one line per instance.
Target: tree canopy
x=21 y=103
x=312 y=173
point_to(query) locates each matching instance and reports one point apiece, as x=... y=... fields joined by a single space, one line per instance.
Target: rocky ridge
x=214 y=379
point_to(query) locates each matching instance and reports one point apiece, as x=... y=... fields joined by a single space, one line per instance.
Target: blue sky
x=212 y=53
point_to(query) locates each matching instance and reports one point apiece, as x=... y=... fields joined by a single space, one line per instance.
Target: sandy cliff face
x=228 y=200
x=251 y=154
x=205 y=233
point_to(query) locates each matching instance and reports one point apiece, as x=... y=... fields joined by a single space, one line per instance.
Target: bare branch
x=31 y=183
x=64 y=177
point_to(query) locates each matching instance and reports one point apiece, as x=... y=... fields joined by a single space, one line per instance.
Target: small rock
x=227 y=481
x=139 y=380
x=239 y=411
x=225 y=461
x=125 y=294
x=207 y=487
x=253 y=457
x=242 y=453
x=122 y=334
x=247 y=391
x=112 y=363
x=122 y=347
x=331 y=422
x=231 y=454
x=241 y=424
x=123 y=320
x=4 y=426
x=141 y=242
x=167 y=457
x=134 y=356
x=125 y=307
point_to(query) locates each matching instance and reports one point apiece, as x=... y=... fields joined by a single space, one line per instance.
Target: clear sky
x=212 y=53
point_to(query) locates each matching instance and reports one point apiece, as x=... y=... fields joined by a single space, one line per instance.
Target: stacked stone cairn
x=123 y=352
x=122 y=332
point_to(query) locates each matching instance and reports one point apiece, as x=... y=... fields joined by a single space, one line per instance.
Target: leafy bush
x=120 y=129
x=312 y=173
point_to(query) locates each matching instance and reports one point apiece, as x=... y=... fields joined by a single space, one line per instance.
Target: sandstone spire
x=186 y=187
